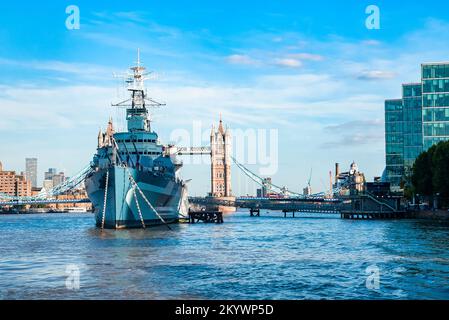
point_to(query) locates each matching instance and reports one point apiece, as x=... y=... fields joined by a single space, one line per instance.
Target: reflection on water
x=266 y=257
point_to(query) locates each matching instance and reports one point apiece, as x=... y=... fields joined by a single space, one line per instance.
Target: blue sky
x=309 y=69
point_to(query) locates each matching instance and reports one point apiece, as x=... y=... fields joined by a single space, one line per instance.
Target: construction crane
x=309 y=187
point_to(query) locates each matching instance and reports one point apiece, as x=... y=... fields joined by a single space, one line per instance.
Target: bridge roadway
x=320 y=205
x=43 y=201
x=364 y=206
x=313 y=205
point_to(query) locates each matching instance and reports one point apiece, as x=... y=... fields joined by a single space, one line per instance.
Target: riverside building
x=394 y=142
x=417 y=121
x=435 y=108
x=14 y=184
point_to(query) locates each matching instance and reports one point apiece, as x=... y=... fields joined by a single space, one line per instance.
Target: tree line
x=430 y=174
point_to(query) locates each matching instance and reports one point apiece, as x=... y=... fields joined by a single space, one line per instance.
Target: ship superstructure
x=135 y=182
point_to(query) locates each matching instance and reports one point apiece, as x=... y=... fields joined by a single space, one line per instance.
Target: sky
x=308 y=72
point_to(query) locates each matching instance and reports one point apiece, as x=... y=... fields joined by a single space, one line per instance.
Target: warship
x=134 y=181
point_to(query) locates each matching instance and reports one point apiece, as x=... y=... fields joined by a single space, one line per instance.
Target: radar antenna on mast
x=135 y=80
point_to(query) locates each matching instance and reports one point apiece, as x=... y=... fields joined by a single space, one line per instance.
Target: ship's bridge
x=137 y=119
x=138 y=143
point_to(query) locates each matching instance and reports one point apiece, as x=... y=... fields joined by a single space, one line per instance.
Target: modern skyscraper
x=412 y=122
x=31 y=171
x=394 y=142
x=417 y=121
x=52 y=178
x=58 y=179
x=435 y=112
x=49 y=174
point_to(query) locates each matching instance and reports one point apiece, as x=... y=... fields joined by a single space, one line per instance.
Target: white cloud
x=376 y=75
x=294 y=60
x=288 y=62
x=51 y=109
x=129 y=44
x=371 y=42
x=85 y=70
x=355 y=133
x=241 y=59
x=307 y=56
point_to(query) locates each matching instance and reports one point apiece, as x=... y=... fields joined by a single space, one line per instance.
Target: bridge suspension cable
x=277 y=189
x=67 y=185
x=260 y=181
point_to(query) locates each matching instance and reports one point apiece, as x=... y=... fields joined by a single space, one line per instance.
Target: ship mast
x=137 y=113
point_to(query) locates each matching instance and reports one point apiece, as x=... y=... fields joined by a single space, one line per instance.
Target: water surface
x=267 y=257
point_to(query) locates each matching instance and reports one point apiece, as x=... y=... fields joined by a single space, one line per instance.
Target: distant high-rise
x=52 y=178
x=31 y=171
x=58 y=179
x=266 y=186
x=50 y=173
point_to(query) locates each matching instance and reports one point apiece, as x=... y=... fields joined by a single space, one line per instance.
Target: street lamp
x=435 y=201
x=417 y=198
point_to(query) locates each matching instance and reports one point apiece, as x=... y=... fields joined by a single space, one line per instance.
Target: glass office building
x=435 y=103
x=417 y=121
x=412 y=122
x=394 y=142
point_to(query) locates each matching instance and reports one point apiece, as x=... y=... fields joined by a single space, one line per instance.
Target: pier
x=370 y=215
x=205 y=216
x=368 y=206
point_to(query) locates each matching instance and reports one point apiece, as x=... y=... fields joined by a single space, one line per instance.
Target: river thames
x=267 y=257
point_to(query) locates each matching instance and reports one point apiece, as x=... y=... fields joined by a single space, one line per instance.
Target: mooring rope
x=133 y=182
x=105 y=199
x=138 y=207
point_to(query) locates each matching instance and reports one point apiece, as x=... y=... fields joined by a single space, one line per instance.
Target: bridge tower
x=220 y=156
x=220 y=145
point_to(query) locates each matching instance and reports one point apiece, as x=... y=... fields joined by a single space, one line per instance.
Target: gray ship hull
x=165 y=194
